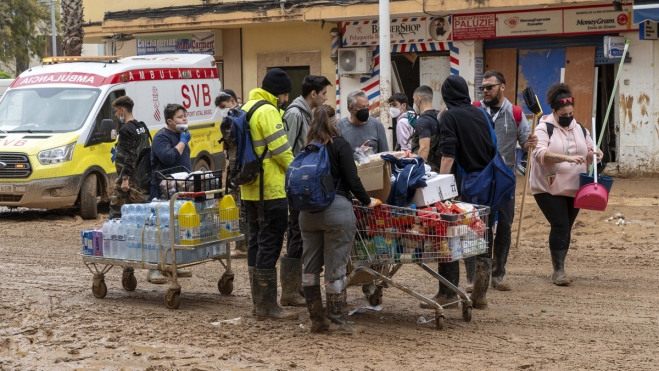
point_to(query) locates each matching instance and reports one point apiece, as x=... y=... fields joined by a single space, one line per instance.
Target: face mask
x=565 y=121
x=224 y=111
x=416 y=108
x=362 y=115
x=122 y=119
x=394 y=112
x=182 y=127
x=493 y=102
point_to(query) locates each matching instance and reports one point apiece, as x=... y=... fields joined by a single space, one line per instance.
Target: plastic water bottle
x=138 y=252
x=106 y=238
x=122 y=248
x=164 y=238
x=114 y=243
x=151 y=240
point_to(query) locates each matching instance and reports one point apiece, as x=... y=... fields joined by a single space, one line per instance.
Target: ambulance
x=56 y=140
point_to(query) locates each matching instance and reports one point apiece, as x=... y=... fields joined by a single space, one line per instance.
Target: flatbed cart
x=196 y=254
x=389 y=237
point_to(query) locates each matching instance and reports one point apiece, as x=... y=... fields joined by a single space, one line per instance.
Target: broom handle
x=526 y=184
x=613 y=94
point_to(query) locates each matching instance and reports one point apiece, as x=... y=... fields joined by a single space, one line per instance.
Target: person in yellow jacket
x=267 y=218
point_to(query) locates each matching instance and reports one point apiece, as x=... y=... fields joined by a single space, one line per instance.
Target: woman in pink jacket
x=564 y=150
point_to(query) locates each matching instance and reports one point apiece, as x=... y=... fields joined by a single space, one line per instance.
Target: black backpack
x=142 y=174
x=550 y=130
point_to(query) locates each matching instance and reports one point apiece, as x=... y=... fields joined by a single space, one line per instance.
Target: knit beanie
x=276 y=82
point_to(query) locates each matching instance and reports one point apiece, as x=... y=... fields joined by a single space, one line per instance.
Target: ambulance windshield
x=39 y=110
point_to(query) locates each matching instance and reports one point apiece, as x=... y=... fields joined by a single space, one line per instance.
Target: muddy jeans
x=328 y=237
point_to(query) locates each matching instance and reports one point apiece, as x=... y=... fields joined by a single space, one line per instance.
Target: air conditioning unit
x=355 y=61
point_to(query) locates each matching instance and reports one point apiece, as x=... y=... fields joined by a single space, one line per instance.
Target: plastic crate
x=194 y=182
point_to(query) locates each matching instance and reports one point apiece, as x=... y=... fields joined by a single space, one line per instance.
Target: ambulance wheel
x=99 y=289
x=201 y=165
x=172 y=299
x=88 y=198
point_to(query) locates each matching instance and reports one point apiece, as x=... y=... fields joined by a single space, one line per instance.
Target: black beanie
x=276 y=82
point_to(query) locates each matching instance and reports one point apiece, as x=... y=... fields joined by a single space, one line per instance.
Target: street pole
x=53 y=27
x=385 y=69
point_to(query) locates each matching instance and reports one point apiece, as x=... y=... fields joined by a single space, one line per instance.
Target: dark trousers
x=294 y=235
x=561 y=214
x=503 y=239
x=266 y=237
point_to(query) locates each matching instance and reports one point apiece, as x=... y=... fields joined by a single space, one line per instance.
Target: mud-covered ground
x=607 y=320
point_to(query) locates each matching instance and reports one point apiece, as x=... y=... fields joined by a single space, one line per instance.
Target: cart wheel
x=439 y=322
x=128 y=281
x=172 y=299
x=368 y=289
x=225 y=285
x=466 y=313
x=375 y=299
x=99 y=289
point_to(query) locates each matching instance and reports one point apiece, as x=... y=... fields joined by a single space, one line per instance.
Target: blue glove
x=185 y=137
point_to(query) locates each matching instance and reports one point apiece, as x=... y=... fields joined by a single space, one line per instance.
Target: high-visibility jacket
x=267 y=129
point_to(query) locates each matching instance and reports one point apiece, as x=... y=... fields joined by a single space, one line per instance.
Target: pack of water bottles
x=144 y=233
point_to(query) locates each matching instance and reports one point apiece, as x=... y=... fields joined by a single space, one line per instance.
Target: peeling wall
x=637 y=123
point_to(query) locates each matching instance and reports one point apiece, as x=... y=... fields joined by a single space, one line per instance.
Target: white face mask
x=182 y=127
x=416 y=108
x=224 y=111
x=394 y=112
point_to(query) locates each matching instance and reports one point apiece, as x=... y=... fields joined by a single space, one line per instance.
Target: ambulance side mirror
x=108 y=131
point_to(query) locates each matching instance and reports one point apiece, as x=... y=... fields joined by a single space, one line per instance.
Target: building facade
x=533 y=42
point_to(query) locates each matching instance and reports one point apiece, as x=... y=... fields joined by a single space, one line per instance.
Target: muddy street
x=607 y=320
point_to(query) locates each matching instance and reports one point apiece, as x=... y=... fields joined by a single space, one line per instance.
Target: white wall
x=637 y=123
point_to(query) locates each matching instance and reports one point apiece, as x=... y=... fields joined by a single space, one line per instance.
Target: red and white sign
x=474 y=27
x=520 y=24
x=88 y=79
x=595 y=20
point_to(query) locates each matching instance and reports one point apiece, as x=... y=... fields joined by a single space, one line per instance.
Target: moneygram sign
x=595 y=20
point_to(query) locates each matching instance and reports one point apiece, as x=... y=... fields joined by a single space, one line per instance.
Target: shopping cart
x=389 y=237
x=211 y=244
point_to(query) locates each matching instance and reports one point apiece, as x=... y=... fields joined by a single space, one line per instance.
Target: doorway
x=296 y=74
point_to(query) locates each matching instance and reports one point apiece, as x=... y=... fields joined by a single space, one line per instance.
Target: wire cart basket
x=213 y=232
x=389 y=237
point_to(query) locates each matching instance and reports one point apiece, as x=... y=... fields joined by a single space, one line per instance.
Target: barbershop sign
x=403 y=31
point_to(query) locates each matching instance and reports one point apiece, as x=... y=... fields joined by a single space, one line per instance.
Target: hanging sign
x=474 y=27
x=598 y=19
x=197 y=43
x=648 y=31
x=520 y=24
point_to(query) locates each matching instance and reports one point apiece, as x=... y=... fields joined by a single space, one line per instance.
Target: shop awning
x=646 y=10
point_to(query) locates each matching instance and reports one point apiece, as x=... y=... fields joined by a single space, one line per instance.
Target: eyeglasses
x=487 y=87
x=566 y=100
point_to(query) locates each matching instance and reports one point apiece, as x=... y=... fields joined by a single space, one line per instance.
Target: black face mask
x=493 y=102
x=362 y=115
x=565 y=121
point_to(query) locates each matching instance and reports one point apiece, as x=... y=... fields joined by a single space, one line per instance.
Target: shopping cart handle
x=190 y=194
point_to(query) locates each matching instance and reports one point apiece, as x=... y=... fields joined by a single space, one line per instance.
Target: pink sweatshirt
x=560 y=179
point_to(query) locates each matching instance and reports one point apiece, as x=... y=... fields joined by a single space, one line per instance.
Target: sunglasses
x=569 y=100
x=487 y=87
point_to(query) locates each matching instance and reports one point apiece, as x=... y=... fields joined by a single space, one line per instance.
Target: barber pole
x=336 y=43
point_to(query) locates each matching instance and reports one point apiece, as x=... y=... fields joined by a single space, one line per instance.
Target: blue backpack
x=493 y=186
x=309 y=183
x=237 y=137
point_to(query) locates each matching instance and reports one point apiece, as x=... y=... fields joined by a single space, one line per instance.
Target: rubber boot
x=290 y=274
x=265 y=296
x=336 y=304
x=450 y=271
x=250 y=272
x=470 y=267
x=481 y=282
x=559 y=278
x=499 y=267
x=313 y=296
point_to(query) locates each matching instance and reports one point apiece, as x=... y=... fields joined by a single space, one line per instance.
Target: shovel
x=592 y=196
x=533 y=104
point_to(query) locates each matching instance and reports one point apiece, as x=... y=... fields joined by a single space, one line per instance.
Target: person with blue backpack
x=468 y=139
x=320 y=183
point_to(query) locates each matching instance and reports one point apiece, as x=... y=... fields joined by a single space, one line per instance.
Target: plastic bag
x=360 y=157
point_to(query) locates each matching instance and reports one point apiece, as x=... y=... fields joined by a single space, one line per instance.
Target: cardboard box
x=439 y=188
x=376 y=177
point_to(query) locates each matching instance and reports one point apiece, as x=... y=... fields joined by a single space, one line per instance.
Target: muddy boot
x=559 y=278
x=290 y=275
x=336 y=304
x=250 y=272
x=481 y=282
x=265 y=296
x=450 y=271
x=470 y=267
x=313 y=296
x=498 y=284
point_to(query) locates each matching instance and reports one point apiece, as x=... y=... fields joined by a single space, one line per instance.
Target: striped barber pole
x=337 y=88
x=371 y=85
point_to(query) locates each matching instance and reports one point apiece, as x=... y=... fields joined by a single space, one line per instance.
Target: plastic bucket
x=606 y=181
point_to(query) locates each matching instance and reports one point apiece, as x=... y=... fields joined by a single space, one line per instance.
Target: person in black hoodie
x=466 y=140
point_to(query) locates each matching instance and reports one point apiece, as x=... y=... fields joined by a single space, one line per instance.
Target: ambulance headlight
x=57 y=155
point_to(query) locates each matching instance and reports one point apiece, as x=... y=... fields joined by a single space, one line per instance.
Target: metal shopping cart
x=389 y=237
x=215 y=232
